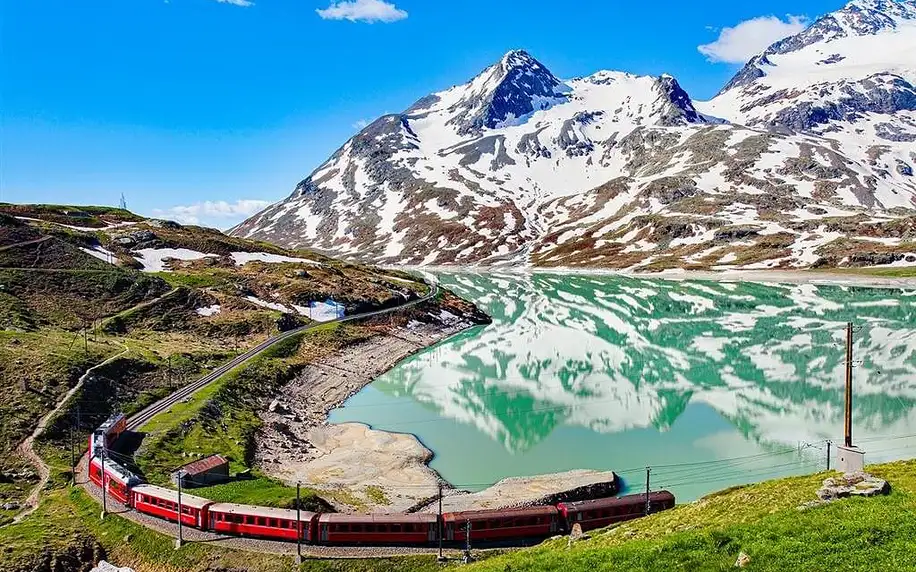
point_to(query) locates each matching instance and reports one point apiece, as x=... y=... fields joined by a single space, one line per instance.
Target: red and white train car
x=107 y=433
x=163 y=503
x=118 y=481
x=261 y=522
x=377 y=529
x=536 y=521
x=599 y=513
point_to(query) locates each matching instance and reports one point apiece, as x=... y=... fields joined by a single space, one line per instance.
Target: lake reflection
x=616 y=373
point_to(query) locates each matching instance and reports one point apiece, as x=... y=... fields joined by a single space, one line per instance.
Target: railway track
x=144 y=416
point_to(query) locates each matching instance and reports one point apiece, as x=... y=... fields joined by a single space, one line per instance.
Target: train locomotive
x=329 y=529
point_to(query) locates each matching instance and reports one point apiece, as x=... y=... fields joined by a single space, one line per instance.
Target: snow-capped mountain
x=517 y=166
x=850 y=77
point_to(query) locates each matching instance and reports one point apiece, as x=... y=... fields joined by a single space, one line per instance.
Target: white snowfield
x=603 y=161
x=153 y=259
x=209 y=310
x=269 y=305
x=101 y=253
x=318 y=312
x=242 y=258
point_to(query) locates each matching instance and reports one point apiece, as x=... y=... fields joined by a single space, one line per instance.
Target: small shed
x=206 y=471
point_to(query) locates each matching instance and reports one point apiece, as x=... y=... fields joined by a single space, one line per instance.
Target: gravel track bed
x=250 y=544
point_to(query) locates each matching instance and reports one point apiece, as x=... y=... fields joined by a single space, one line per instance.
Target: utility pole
x=104 y=484
x=467 y=542
x=72 y=455
x=439 y=525
x=828 y=454
x=648 y=470
x=170 y=371
x=298 y=527
x=849 y=384
x=179 y=540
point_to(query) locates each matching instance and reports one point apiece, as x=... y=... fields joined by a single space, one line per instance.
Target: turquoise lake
x=711 y=384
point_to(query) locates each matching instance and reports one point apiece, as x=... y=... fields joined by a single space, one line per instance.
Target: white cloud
x=363 y=11
x=216 y=213
x=243 y=3
x=361 y=124
x=738 y=44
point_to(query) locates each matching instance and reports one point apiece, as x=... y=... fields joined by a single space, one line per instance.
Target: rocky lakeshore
x=365 y=470
x=381 y=471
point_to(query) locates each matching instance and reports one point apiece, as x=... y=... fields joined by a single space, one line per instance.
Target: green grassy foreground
x=760 y=520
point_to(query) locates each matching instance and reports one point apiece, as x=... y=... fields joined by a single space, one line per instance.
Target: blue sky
x=188 y=106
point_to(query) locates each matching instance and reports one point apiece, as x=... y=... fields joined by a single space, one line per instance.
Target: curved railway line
x=139 y=419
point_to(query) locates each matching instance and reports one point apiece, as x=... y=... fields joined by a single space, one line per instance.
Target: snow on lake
x=242 y=258
x=209 y=310
x=101 y=253
x=153 y=259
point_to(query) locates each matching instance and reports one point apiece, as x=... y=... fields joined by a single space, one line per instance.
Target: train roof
x=617 y=501
x=110 y=422
x=501 y=513
x=172 y=496
x=117 y=471
x=265 y=511
x=416 y=518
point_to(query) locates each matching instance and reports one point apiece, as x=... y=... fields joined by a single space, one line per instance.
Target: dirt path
x=27 y=450
x=139 y=306
x=26 y=243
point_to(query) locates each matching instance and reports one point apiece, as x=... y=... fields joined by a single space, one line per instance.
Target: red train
x=107 y=433
x=604 y=512
x=338 y=529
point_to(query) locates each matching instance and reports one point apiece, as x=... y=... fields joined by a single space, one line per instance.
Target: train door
x=433 y=531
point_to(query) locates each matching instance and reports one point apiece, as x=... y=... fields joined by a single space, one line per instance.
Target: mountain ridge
x=517 y=166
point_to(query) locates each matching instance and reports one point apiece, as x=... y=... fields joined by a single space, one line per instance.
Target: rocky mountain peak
x=515 y=87
x=681 y=108
x=858 y=18
x=518 y=59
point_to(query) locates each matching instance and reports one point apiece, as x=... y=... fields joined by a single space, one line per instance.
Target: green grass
x=883 y=272
x=197 y=280
x=761 y=520
x=377 y=495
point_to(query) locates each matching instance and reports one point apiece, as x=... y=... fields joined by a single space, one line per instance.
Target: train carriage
x=107 y=433
x=377 y=529
x=163 y=503
x=599 y=513
x=261 y=522
x=533 y=522
x=118 y=480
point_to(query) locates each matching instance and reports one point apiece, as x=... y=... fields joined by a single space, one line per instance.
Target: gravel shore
x=296 y=442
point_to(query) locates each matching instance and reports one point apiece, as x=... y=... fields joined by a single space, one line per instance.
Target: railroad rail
x=139 y=419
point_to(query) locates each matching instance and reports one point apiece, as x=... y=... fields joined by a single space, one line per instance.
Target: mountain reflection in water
x=610 y=372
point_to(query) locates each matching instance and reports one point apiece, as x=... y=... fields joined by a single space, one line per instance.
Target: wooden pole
x=439 y=524
x=849 y=384
x=298 y=526
x=72 y=455
x=648 y=470
x=179 y=540
x=104 y=484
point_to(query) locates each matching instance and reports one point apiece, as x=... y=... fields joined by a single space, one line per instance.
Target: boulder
x=743 y=560
x=852 y=484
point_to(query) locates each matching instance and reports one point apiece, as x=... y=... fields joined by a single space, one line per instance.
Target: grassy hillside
x=74 y=291
x=760 y=520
